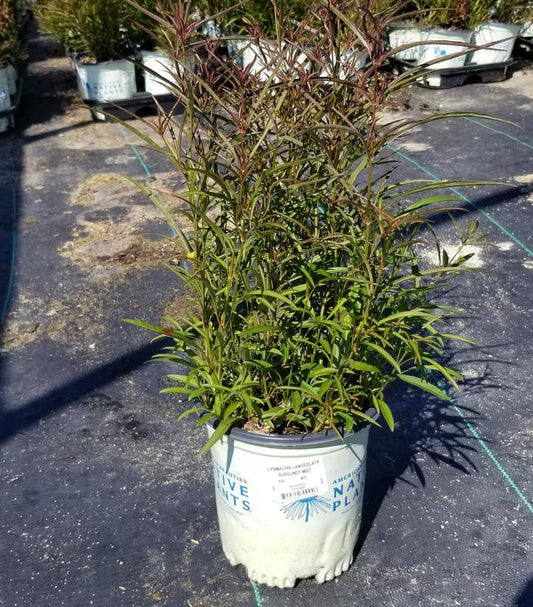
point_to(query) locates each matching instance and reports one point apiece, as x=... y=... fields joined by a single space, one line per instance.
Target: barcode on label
x=299 y=493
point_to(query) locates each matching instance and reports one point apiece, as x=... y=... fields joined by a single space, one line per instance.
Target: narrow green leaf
x=424 y=385
x=382 y=352
x=190 y=412
x=358 y=365
x=145 y=325
x=324 y=387
x=320 y=371
x=384 y=409
x=259 y=329
x=221 y=429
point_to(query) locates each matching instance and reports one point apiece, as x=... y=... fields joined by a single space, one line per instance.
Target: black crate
x=139 y=106
x=524 y=47
x=457 y=76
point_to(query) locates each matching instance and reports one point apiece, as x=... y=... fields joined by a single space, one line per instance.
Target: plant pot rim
x=88 y=59
x=408 y=25
x=449 y=30
x=314 y=439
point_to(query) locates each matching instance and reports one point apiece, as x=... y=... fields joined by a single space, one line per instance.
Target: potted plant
x=443 y=22
x=11 y=23
x=498 y=40
x=101 y=35
x=449 y=29
x=304 y=255
x=507 y=20
x=248 y=31
x=5 y=100
x=231 y=17
x=492 y=25
x=12 y=15
x=523 y=14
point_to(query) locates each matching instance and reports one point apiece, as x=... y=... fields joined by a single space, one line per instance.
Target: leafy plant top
x=455 y=14
x=102 y=29
x=304 y=248
x=11 y=22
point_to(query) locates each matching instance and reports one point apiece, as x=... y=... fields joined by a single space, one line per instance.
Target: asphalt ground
x=103 y=499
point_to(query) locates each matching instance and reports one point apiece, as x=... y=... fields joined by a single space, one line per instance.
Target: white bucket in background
x=259 y=55
x=11 y=75
x=440 y=50
x=350 y=62
x=526 y=31
x=289 y=508
x=164 y=66
x=106 y=81
x=400 y=34
x=262 y=57
x=5 y=100
x=503 y=35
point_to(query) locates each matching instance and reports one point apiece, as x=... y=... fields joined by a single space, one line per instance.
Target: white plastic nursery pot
x=248 y=52
x=162 y=65
x=289 y=507
x=349 y=61
x=260 y=56
x=405 y=33
x=11 y=77
x=106 y=81
x=526 y=31
x=431 y=52
x=5 y=100
x=503 y=35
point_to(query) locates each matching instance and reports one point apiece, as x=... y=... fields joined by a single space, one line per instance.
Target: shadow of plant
x=427 y=430
x=525 y=598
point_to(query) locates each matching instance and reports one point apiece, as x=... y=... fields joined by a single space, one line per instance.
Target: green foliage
x=468 y=14
x=12 y=13
x=303 y=250
x=103 y=29
x=511 y=11
x=261 y=13
x=459 y=14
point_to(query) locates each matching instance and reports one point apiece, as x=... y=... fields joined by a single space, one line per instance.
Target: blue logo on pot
x=232 y=488
x=306 y=507
x=347 y=490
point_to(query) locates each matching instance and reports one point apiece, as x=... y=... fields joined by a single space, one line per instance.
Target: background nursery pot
x=10 y=74
x=401 y=34
x=5 y=101
x=100 y=34
x=440 y=49
x=106 y=81
x=160 y=72
x=289 y=507
x=502 y=35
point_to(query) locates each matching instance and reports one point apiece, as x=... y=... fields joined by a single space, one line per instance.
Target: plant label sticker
x=296 y=479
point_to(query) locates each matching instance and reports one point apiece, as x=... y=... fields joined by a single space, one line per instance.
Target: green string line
x=463 y=197
x=140 y=159
x=145 y=167
x=487 y=450
x=7 y=296
x=257 y=595
x=508 y=135
x=493 y=458
x=481 y=124
x=474 y=432
x=123 y=131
